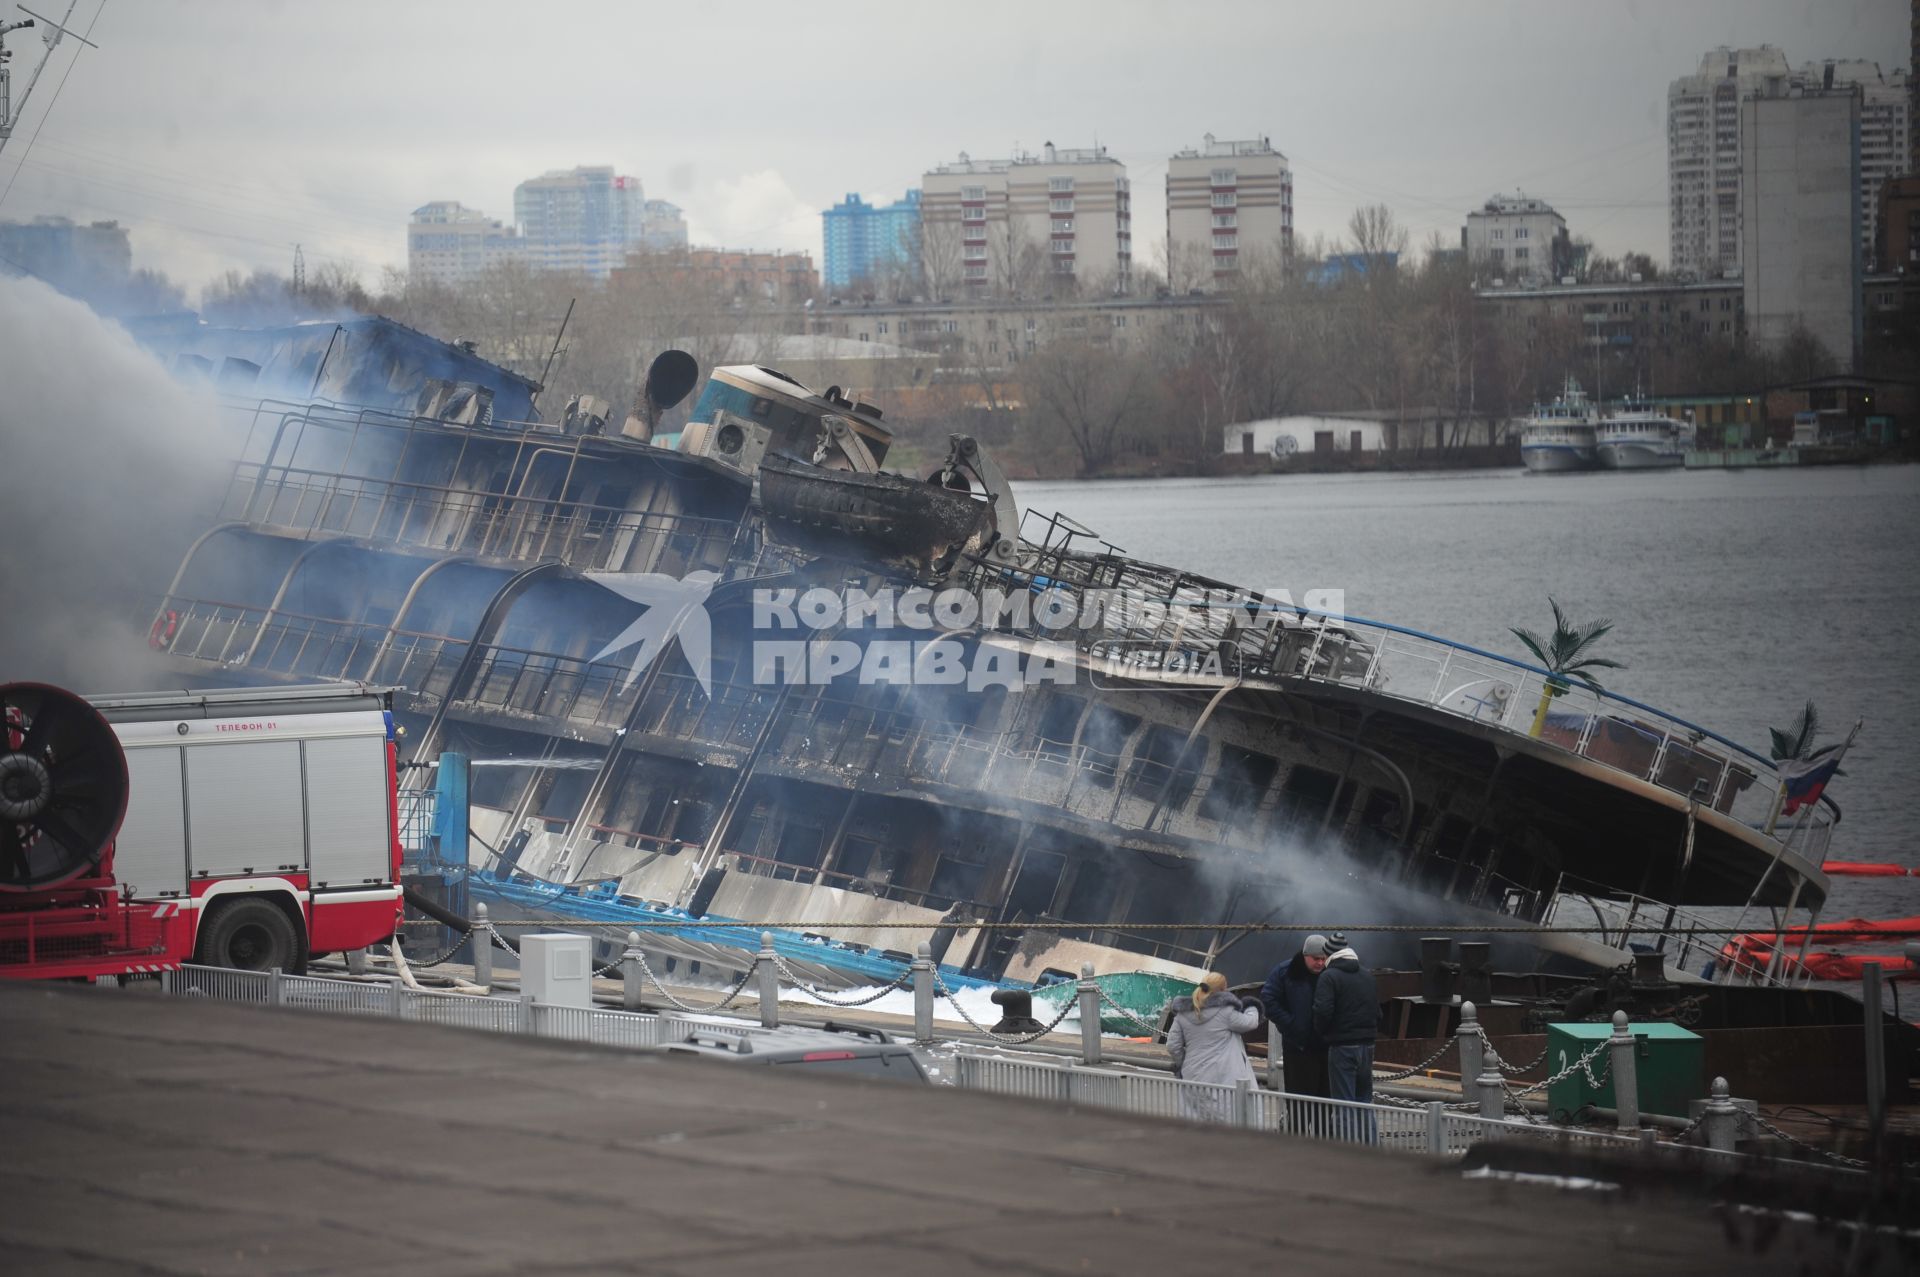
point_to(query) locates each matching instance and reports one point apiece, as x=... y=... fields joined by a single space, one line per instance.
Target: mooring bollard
x=1470 y=1049
x=923 y=995
x=1491 y=1086
x=1626 y=1085
x=482 y=936
x=630 y=977
x=769 y=983
x=1089 y=1016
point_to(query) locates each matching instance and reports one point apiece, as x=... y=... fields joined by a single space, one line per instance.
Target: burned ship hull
x=879 y=517
x=1158 y=771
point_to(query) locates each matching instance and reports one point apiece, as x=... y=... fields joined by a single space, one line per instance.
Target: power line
x=42 y=121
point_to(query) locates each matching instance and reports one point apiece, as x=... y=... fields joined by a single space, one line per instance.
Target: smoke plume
x=108 y=469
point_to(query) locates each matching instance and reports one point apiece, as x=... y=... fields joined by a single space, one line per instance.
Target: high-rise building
x=1703 y=156
x=1800 y=261
x=662 y=226
x=583 y=220
x=1518 y=238
x=1704 y=181
x=449 y=243
x=866 y=241
x=1229 y=204
x=1055 y=223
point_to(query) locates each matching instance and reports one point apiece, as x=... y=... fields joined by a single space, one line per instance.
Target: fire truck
x=247 y=828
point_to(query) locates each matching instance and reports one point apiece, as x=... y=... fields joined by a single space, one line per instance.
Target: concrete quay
x=174 y=1136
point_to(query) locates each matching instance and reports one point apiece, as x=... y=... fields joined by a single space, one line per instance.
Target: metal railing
x=1148 y=620
x=315 y=503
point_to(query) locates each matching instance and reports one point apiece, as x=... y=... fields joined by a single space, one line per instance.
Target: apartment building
x=1703 y=156
x=1229 y=209
x=1800 y=208
x=449 y=243
x=1056 y=223
x=662 y=226
x=583 y=220
x=1519 y=238
x=1704 y=177
x=996 y=333
x=867 y=241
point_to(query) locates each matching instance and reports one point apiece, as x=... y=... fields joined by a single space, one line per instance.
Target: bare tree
x=940 y=257
x=1092 y=395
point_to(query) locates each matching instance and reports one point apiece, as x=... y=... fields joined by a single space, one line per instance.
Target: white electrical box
x=557 y=969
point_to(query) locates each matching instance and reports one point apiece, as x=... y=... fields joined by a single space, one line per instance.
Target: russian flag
x=1804 y=779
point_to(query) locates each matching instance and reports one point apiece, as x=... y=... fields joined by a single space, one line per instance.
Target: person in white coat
x=1206 y=1046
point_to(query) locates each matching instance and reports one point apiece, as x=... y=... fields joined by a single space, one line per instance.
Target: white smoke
x=108 y=468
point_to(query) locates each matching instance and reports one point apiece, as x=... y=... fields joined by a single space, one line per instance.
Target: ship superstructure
x=1148 y=748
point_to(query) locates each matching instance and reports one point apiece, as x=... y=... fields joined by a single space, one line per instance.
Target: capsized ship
x=1151 y=757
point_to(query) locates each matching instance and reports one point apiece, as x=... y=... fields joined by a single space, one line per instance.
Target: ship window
x=856 y=855
x=1238 y=785
x=1092 y=894
x=1062 y=715
x=799 y=845
x=1165 y=769
x=1307 y=791
x=1103 y=740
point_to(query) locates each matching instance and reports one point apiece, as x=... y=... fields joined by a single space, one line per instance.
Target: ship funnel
x=668 y=381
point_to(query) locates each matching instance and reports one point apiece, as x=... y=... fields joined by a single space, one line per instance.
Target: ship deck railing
x=278 y=641
x=1156 y=623
x=313 y=504
x=1687 y=939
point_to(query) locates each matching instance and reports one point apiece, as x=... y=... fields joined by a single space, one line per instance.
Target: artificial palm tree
x=1563 y=655
x=1796 y=741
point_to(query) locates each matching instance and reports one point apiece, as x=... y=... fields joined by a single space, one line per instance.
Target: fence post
x=481 y=934
x=396 y=998
x=1276 y=1070
x=1721 y=1118
x=1089 y=1016
x=1626 y=1084
x=1436 y=1128
x=630 y=986
x=769 y=983
x=1470 y=1048
x=923 y=995
x=1491 y=1086
x=276 y=988
x=529 y=1014
x=1243 y=1102
x=167 y=982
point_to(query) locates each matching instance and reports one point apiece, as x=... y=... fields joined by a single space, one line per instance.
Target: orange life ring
x=164 y=628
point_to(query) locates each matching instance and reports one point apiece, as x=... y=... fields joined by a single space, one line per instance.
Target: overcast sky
x=224 y=133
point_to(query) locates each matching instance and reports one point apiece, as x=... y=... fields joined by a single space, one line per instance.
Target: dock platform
x=175 y=1136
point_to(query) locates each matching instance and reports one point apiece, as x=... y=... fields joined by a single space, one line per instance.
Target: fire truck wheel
x=250 y=935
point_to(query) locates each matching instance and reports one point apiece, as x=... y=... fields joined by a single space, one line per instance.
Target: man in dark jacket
x=1288 y=998
x=1346 y=1013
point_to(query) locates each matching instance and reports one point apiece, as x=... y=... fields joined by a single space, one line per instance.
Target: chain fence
x=820 y=995
x=667 y=993
x=1421 y=1067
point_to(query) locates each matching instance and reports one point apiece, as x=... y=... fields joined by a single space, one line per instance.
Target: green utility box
x=1670 y=1067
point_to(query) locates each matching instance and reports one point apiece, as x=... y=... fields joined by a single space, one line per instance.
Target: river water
x=1736 y=595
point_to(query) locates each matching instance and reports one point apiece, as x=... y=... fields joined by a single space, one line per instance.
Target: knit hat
x=1315 y=947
